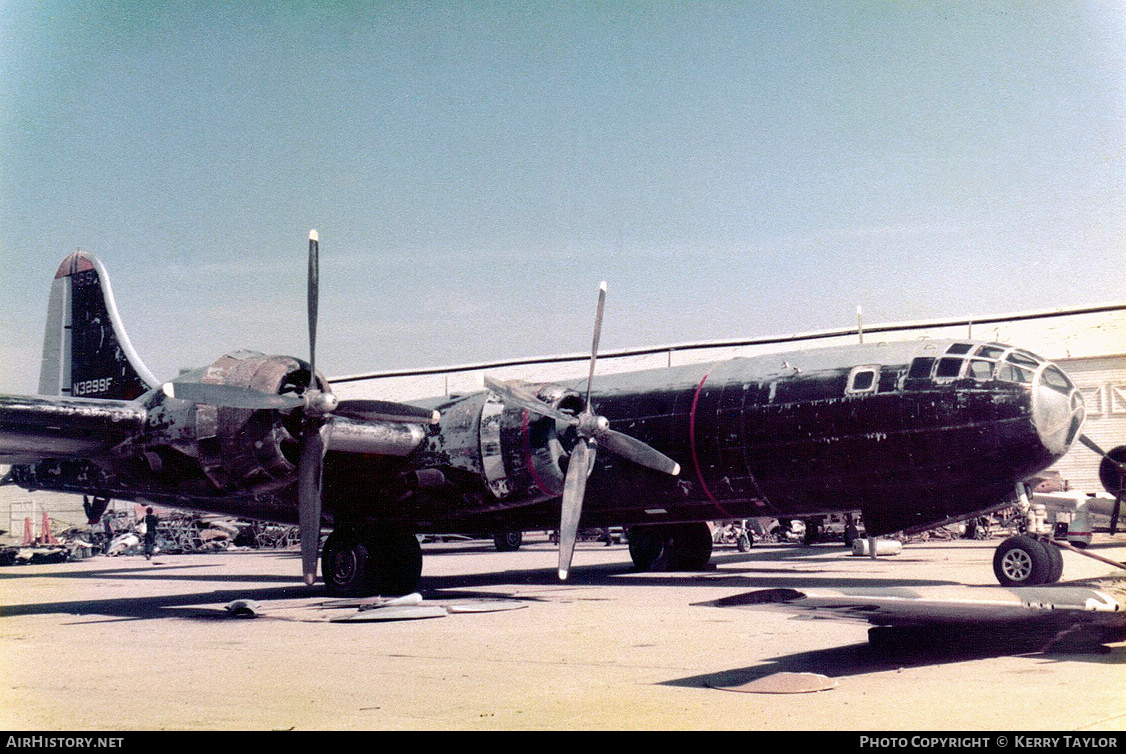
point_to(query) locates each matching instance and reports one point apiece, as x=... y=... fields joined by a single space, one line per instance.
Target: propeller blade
x=387 y=411
x=309 y=466
x=1092 y=445
x=574 y=488
x=638 y=452
x=229 y=396
x=513 y=392
x=597 y=337
x=1112 y=469
x=314 y=294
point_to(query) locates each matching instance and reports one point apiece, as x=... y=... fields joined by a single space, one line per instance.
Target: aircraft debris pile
x=178 y=533
x=181 y=533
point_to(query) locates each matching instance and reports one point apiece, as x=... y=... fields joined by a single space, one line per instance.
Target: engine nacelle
x=519 y=456
x=239 y=447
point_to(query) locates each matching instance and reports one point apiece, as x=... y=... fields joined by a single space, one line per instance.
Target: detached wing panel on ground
x=1101 y=602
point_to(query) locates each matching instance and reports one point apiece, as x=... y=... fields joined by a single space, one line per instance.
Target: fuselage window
x=948 y=368
x=959 y=348
x=1056 y=380
x=1012 y=373
x=1022 y=359
x=863 y=380
x=990 y=352
x=920 y=368
x=980 y=370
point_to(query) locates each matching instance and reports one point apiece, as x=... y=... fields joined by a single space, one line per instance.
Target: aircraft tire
x=508 y=541
x=1022 y=561
x=646 y=546
x=1056 y=558
x=396 y=564
x=691 y=546
x=345 y=566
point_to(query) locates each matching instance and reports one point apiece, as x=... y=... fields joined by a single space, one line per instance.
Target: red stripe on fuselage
x=692 y=444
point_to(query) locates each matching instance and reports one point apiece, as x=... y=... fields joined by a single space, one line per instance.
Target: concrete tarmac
x=120 y=644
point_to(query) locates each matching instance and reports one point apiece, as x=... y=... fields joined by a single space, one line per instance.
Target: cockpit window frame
x=862 y=372
x=949 y=368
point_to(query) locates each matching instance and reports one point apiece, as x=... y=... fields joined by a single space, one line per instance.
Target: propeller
x=1112 y=474
x=592 y=430
x=317 y=409
x=311 y=439
x=320 y=407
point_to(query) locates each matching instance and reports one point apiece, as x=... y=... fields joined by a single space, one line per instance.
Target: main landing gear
x=670 y=547
x=356 y=562
x=1034 y=558
x=1027 y=561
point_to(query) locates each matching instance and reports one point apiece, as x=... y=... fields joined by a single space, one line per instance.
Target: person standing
x=107 y=528
x=150 y=533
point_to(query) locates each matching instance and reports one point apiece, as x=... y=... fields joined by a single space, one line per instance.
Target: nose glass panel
x=1057 y=409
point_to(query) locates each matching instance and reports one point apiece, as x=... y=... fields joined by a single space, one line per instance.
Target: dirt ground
x=124 y=644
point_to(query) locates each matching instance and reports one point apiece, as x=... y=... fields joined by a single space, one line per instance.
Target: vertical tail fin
x=86 y=352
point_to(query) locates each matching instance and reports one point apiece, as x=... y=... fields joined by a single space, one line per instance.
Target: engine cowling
x=239 y=447
x=519 y=456
x=537 y=448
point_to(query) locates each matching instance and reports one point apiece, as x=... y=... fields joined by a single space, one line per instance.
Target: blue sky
x=474 y=169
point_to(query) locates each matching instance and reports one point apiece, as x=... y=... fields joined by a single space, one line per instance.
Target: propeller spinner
x=593 y=431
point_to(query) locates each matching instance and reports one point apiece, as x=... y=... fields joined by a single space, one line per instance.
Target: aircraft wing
x=37 y=426
x=1096 y=602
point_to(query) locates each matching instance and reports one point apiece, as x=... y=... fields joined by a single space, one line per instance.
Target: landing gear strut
x=356 y=563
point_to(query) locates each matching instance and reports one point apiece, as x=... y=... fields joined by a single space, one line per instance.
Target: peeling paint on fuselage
x=781 y=435
x=765 y=436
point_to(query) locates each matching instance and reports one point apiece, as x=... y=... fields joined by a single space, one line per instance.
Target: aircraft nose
x=1057 y=410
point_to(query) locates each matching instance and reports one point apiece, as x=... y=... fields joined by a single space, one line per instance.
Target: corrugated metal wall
x=1103 y=382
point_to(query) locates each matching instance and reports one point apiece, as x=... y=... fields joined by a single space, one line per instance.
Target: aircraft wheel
x=345 y=565
x=1056 y=558
x=646 y=546
x=691 y=546
x=396 y=564
x=508 y=541
x=745 y=542
x=1022 y=561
